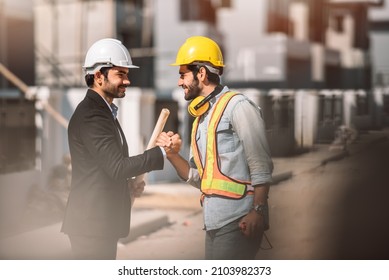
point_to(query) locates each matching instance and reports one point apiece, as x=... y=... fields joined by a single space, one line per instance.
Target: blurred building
x=17 y=40
x=65 y=29
x=267 y=44
x=17 y=115
x=379 y=38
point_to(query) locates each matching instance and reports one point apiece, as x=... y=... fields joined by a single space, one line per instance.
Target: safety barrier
x=330 y=114
x=299 y=119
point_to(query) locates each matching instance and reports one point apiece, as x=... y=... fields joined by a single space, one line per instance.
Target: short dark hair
x=90 y=78
x=213 y=78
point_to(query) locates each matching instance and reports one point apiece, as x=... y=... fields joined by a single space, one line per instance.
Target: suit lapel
x=101 y=103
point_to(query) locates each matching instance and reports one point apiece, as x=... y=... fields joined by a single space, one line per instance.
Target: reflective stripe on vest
x=213 y=182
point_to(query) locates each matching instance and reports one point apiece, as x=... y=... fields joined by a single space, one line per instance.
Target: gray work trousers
x=229 y=243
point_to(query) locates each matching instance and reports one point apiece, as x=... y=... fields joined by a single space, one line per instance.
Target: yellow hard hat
x=199 y=49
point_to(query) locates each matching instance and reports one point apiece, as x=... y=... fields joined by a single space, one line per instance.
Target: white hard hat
x=107 y=53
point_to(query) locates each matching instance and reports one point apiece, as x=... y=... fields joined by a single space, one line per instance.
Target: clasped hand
x=171 y=142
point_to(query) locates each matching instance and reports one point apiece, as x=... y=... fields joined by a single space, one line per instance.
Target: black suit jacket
x=99 y=200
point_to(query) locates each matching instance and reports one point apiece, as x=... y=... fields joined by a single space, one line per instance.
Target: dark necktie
x=114 y=114
x=114 y=110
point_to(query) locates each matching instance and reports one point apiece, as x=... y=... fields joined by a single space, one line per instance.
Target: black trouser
x=93 y=248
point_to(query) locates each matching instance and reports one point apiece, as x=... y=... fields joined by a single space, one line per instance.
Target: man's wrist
x=260 y=208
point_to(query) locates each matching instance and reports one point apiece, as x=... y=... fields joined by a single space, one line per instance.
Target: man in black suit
x=99 y=204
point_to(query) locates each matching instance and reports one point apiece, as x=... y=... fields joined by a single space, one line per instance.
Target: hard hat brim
x=94 y=69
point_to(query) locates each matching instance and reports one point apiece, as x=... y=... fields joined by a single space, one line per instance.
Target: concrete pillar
x=349 y=107
x=52 y=136
x=299 y=15
x=306 y=118
x=378 y=104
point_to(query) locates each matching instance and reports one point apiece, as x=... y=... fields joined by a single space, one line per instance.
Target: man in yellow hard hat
x=229 y=158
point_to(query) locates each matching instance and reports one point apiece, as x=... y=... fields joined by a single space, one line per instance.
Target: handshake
x=171 y=142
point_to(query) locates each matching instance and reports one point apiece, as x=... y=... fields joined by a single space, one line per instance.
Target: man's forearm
x=261 y=193
x=180 y=164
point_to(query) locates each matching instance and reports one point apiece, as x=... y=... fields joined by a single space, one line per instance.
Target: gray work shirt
x=243 y=151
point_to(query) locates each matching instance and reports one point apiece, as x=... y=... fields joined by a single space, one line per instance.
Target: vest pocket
x=226 y=139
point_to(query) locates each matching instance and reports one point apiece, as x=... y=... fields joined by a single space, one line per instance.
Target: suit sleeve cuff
x=163 y=152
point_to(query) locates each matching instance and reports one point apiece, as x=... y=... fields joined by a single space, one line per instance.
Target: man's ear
x=202 y=73
x=98 y=77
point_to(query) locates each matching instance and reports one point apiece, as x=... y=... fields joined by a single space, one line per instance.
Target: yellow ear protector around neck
x=200 y=104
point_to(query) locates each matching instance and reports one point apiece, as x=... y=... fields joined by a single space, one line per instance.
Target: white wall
x=379 y=13
x=380 y=43
x=379 y=54
x=242 y=27
x=18 y=8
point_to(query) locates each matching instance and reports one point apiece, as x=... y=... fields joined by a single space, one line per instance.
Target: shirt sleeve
x=246 y=119
x=194 y=178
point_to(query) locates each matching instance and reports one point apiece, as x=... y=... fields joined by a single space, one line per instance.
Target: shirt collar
x=224 y=90
x=114 y=109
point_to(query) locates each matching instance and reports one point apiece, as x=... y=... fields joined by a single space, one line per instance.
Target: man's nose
x=127 y=82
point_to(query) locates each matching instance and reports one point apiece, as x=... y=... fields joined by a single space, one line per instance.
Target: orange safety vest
x=213 y=182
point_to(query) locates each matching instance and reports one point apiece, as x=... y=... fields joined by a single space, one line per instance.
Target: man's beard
x=114 y=91
x=115 y=94
x=193 y=90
